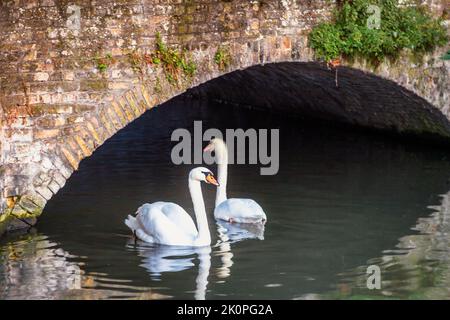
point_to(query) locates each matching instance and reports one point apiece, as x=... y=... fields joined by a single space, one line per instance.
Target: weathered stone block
x=70 y=157
x=93 y=85
x=48 y=122
x=69 y=75
x=54 y=186
x=19 y=135
x=85 y=148
x=41 y=76
x=119 y=85
x=59 y=178
x=18 y=211
x=41 y=134
x=44 y=192
x=30 y=205
x=16 y=224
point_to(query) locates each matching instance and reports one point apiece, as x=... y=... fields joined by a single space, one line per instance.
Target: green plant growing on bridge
x=173 y=62
x=136 y=61
x=406 y=26
x=102 y=63
x=222 y=58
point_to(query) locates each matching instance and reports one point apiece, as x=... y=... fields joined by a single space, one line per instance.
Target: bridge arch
x=65 y=91
x=300 y=88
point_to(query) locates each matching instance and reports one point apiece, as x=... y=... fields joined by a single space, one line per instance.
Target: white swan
x=168 y=223
x=231 y=210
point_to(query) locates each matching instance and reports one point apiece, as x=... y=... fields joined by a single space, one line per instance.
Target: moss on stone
x=157 y=88
x=23 y=207
x=4 y=222
x=94 y=85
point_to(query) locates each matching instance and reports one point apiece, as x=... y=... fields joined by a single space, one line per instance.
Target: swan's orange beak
x=211 y=180
x=209 y=147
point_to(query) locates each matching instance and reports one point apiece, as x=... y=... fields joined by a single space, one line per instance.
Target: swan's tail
x=132 y=223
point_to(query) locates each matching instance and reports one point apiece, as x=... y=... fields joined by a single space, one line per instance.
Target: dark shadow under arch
x=308 y=89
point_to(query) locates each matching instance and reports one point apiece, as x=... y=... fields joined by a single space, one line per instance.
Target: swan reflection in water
x=234 y=232
x=231 y=233
x=159 y=259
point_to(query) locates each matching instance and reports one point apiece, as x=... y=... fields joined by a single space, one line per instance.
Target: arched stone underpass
x=75 y=74
x=292 y=88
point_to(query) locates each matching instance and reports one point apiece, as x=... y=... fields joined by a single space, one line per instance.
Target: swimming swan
x=168 y=223
x=231 y=210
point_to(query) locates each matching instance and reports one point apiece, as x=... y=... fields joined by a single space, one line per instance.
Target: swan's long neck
x=222 y=171
x=204 y=237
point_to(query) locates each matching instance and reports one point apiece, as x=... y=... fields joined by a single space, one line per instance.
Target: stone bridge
x=73 y=73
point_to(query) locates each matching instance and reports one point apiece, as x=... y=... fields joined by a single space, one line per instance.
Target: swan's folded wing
x=157 y=224
x=166 y=223
x=180 y=217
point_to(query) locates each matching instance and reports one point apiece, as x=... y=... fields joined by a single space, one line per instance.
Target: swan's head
x=214 y=144
x=203 y=175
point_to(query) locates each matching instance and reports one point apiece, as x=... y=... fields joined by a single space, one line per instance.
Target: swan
x=231 y=210
x=168 y=223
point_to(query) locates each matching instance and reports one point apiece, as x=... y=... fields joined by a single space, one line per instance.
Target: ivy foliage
x=402 y=26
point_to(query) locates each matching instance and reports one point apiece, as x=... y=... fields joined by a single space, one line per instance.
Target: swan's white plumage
x=168 y=223
x=163 y=222
x=240 y=211
x=176 y=214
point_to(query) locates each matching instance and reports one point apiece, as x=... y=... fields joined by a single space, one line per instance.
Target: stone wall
x=75 y=72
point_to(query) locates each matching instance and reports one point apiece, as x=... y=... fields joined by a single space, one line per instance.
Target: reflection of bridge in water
x=37 y=268
x=34 y=267
x=418 y=268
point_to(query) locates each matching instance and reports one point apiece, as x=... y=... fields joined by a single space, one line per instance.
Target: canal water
x=342 y=200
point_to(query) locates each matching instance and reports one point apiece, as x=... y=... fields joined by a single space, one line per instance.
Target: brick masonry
x=58 y=105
